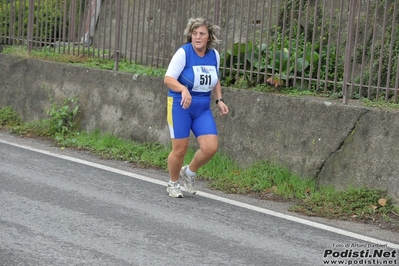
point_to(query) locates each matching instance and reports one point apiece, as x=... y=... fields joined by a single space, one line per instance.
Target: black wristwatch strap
x=219 y=100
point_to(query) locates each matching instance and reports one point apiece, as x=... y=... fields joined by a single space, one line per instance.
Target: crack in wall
x=341 y=145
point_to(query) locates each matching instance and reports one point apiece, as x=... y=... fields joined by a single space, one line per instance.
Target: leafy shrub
x=279 y=62
x=63 y=118
x=48 y=16
x=8 y=116
x=383 y=63
x=292 y=53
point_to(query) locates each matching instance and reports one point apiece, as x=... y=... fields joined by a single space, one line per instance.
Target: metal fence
x=341 y=48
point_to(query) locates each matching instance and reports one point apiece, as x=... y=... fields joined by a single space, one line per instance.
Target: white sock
x=189 y=172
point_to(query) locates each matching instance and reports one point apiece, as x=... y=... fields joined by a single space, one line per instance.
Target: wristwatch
x=219 y=100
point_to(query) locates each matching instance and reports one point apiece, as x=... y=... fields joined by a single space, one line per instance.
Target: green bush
x=288 y=55
x=49 y=15
x=63 y=118
x=9 y=117
x=383 y=64
x=280 y=62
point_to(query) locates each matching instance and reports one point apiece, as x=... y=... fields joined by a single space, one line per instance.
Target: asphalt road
x=62 y=210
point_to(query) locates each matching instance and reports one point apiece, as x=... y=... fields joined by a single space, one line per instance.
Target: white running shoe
x=174 y=190
x=188 y=181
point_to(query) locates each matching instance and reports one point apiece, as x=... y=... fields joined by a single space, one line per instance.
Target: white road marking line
x=214 y=197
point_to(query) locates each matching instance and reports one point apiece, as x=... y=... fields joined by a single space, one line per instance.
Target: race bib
x=205 y=78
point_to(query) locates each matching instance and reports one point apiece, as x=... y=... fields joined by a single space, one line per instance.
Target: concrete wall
x=334 y=143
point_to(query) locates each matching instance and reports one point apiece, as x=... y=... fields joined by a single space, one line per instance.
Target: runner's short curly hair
x=194 y=23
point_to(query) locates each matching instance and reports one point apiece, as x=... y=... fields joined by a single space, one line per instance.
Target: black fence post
x=30 y=24
x=117 y=35
x=348 y=51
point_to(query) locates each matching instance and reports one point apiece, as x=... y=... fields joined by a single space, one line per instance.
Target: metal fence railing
x=343 y=48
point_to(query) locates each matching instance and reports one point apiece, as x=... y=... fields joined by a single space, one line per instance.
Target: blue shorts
x=197 y=118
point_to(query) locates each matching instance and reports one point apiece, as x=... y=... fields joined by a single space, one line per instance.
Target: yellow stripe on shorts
x=169 y=116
